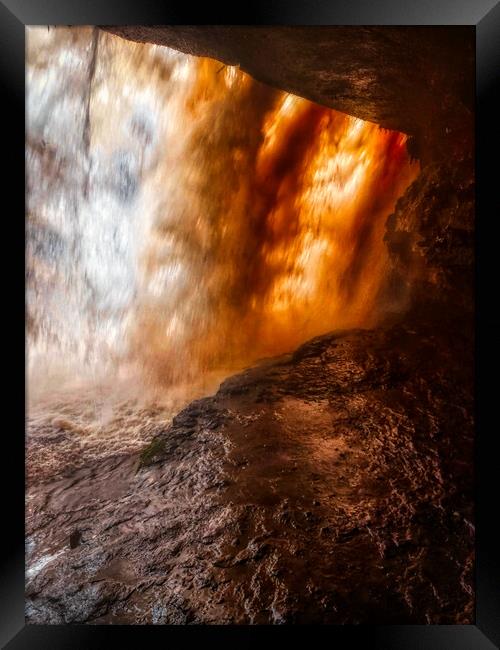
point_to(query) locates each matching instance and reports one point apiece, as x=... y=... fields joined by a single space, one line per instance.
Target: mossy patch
x=151 y=452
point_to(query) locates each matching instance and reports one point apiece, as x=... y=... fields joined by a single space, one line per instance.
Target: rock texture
x=333 y=485
x=430 y=238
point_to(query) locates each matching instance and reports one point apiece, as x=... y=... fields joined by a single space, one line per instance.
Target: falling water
x=184 y=220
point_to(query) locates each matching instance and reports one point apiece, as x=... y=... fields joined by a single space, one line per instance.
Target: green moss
x=151 y=452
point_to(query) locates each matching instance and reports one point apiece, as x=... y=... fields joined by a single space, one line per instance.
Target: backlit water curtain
x=182 y=217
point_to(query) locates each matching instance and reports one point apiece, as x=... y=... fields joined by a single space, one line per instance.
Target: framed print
x=256 y=274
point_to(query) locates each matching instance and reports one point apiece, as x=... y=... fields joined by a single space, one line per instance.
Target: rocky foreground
x=332 y=485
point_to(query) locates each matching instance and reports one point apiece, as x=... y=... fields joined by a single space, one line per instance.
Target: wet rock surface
x=331 y=485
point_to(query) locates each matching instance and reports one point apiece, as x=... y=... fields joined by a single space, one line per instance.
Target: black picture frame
x=485 y=16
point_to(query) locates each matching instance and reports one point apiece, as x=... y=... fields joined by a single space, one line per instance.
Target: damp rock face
x=332 y=485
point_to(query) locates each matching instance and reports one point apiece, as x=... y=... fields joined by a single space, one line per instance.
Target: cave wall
x=430 y=238
x=417 y=80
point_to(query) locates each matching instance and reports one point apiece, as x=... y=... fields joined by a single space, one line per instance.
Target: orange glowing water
x=202 y=219
x=282 y=230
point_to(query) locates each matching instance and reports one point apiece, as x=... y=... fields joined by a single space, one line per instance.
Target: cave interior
x=329 y=483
